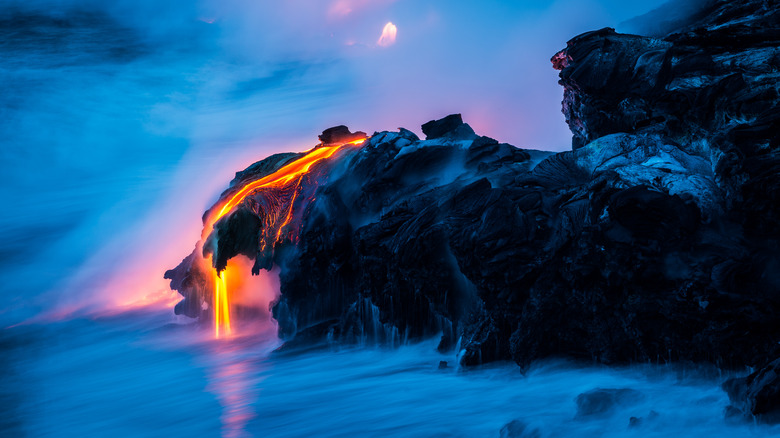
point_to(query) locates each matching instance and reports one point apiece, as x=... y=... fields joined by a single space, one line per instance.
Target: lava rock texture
x=654 y=239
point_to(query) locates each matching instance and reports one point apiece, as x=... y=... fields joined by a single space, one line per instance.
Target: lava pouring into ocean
x=275 y=202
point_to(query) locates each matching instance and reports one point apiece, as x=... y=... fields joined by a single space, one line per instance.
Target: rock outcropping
x=655 y=239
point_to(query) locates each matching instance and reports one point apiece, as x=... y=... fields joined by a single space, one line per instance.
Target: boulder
x=451 y=125
x=601 y=401
x=340 y=134
x=758 y=394
x=519 y=429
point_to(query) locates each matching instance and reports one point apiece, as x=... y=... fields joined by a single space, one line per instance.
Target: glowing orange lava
x=221 y=306
x=291 y=173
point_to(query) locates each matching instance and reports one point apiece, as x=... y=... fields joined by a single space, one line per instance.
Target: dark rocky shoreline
x=656 y=239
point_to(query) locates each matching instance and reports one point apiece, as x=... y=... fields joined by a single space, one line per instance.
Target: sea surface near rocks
x=133 y=375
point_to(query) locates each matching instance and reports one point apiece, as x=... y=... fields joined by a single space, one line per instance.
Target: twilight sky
x=122 y=121
x=486 y=59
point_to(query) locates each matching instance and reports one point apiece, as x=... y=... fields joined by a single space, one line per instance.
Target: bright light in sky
x=387 y=38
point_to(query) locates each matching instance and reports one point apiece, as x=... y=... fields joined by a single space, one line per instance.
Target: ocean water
x=145 y=373
x=121 y=122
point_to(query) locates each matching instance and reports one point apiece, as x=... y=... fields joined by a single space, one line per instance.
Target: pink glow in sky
x=487 y=60
x=389 y=33
x=342 y=8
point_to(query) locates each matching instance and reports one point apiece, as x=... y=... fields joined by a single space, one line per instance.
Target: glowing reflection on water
x=143 y=374
x=232 y=379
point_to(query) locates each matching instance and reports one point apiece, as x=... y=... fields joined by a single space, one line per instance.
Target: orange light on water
x=291 y=173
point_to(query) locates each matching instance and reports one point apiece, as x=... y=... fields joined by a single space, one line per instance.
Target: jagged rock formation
x=757 y=395
x=715 y=79
x=388 y=248
x=654 y=239
x=710 y=87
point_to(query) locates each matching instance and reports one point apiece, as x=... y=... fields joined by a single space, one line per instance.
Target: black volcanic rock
x=607 y=252
x=601 y=401
x=340 y=134
x=657 y=238
x=519 y=429
x=190 y=279
x=714 y=79
x=451 y=125
x=757 y=395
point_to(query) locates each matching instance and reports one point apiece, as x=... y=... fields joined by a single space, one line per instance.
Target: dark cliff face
x=654 y=239
x=714 y=79
x=400 y=246
x=619 y=251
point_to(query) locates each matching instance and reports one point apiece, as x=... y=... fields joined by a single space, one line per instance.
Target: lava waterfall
x=260 y=211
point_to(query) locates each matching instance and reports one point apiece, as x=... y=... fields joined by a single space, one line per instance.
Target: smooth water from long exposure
x=145 y=374
x=121 y=122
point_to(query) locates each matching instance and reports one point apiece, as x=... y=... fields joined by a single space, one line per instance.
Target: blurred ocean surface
x=144 y=374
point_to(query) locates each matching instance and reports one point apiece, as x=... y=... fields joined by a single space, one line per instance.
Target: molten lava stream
x=221 y=305
x=291 y=173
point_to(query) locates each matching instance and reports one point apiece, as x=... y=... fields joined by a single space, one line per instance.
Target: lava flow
x=221 y=305
x=280 y=178
x=272 y=199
